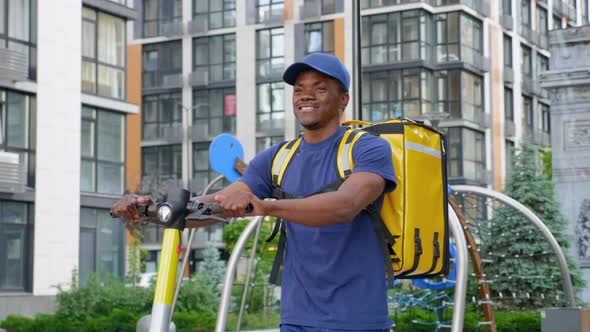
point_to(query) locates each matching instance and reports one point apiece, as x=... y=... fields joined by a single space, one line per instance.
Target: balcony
x=200 y=77
x=507 y=22
x=508 y=75
x=197 y=26
x=12 y=173
x=313 y=8
x=275 y=15
x=165 y=134
x=171 y=29
x=509 y=128
x=481 y=6
x=154 y=81
x=14 y=65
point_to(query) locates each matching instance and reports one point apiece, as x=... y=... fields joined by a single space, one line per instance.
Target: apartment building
x=69 y=143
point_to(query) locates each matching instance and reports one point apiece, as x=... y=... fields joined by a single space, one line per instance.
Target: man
x=333 y=277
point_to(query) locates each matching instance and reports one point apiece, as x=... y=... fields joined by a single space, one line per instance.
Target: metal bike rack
x=565 y=272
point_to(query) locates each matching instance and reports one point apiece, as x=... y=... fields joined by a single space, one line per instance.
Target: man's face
x=317 y=100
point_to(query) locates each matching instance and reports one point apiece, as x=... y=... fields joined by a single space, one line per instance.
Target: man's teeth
x=307 y=108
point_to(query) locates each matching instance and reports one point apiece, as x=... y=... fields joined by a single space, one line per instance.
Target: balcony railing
x=275 y=15
x=197 y=26
x=171 y=29
x=313 y=8
x=508 y=75
x=199 y=77
x=155 y=81
x=526 y=32
x=14 y=65
x=12 y=173
x=507 y=22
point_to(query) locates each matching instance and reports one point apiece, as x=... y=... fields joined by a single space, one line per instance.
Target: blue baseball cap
x=324 y=63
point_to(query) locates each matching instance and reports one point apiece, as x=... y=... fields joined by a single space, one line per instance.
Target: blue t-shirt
x=333 y=276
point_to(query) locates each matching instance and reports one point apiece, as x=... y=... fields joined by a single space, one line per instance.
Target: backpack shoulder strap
x=282 y=159
x=344 y=162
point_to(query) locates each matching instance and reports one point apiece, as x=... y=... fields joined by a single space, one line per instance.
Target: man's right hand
x=126 y=207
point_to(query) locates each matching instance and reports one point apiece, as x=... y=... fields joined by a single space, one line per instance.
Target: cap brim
x=290 y=75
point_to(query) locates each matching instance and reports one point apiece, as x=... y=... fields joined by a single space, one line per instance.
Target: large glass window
x=214 y=112
x=527 y=115
x=459 y=37
x=103 y=54
x=101 y=244
x=161 y=164
x=508 y=104
x=396 y=93
x=16 y=246
x=542 y=21
x=507 y=7
x=319 y=37
x=270 y=114
x=18 y=128
x=393 y=37
x=268 y=9
x=556 y=19
x=157 y=13
x=542 y=63
x=162 y=116
x=507 y=51
x=18 y=30
x=460 y=94
x=525 y=14
x=466 y=158
x=527 y=62
x=545 y=123
x=162 y=63
x=202 y=172
x=263 y=143
x=218 y=13
x=216 y=55
x=103 y=151
x=270 y=52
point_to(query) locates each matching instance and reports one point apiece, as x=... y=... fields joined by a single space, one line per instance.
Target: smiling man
x=333 y=277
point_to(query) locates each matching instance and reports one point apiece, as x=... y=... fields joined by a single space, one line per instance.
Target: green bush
x=254 y=321
x=194 y=321
x=516 y=321
x=197 y=295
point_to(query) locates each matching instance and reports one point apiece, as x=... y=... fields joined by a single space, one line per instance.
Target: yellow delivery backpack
x=412 y=223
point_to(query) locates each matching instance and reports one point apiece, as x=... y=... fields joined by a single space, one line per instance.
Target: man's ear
x=344 y=98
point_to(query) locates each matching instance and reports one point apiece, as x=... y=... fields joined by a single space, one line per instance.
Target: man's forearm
x=315 y=211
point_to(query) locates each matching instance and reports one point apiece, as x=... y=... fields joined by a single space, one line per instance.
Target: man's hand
x=233 y=205
x=126 y=207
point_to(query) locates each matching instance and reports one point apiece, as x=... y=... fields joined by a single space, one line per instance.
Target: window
x=161 y=164
x=395 y=93
x=459 y=37
x=542 y=63
x=18 y=129
x=466 y=157
x=214 y=112
x=510 y=150
x=18 y=30
x=162 y=116
x=218 y=13
x=158 y=13
x=460 y=94
x=270 y=52
x=319 y=37
x=527 y=62
x=380 y=3
x=103 y=151
x=202 y=172
x=507 y=7
x=542 y=22
x=556 y=21
x=16 y=247
x=270 y=114
x=101 y=244
x=507 y=51
x=545 y=118
x=331 y=6
x=508 y=105
x=263 y=143
x=393 y=37
x=527 y=114
x=268 y=10
x=216 y=55
x=525 y=14
x=162 y=63
x=103 y=54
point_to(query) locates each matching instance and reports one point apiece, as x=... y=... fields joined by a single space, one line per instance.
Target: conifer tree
x=524 y=267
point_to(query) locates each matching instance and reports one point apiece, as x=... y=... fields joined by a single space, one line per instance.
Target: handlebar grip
x=214 y=208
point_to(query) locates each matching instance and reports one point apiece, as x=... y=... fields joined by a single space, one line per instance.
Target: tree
x=524 y=267
x=583 y=231
x=212 y=267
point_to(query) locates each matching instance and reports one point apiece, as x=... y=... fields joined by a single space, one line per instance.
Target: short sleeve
x=373 y=154
x=257 y=174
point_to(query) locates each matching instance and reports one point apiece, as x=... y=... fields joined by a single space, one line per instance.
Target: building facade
x=69 y=104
